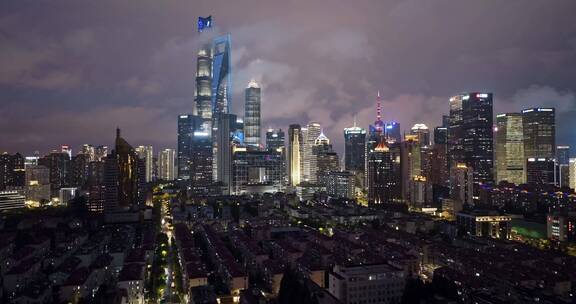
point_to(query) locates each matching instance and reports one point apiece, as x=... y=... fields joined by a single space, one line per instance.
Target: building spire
x=355 y=116
x=378 y=108
x=117 y=132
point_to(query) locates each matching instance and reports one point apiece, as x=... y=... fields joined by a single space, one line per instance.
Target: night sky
x=71 y=71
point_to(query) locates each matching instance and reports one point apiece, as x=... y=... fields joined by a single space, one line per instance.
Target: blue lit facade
x=392 y=132
x=221 y=75
x=204 y=23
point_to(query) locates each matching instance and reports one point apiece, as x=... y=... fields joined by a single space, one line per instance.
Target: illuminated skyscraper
x=462 y=184
x=252 y=115
x=96 y=187
x=145 y=153
x=187 y=125
x=11 y=171
x=478 y=135
x=541 y=171
x=354 y=148
x=572 y=173
x=275 y=139
x=563 y=161
x=221 y=75
x=89 y=151
x=563 y=154
x=456 y=131
x=392 y=132
x=100 y=153
x=294 y=154
x=539 y=132
x=441 y=135
x=309 y=136
x=166 y=164
x=66 y=149
x=411 y=162
x=383 y=175
x=323 y=160
x=423 y=133
x=203 y=90
x=509 y=146
x=60 y=170
x=201 y=159
x=470 y=135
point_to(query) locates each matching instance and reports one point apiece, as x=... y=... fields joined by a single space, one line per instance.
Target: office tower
x=309 y=136
x=323 y=159
x=422 y=132
x=101 y=152
x=166 y=164
x=478 y=135
x=340 y=184
x=37 y=184
x=383 y=175
x=155 y=168
x=111 y=183
x=187 y=125
x=470 y=137
x=79 y=170
x=66 y=149
x=224 y=138
x=392 y=132
x=572 y=173
x=293 y=154
x=439 y=174
x=60 y=170
x=539 y=132
x=445 y=121
x=10 y=200
x=441 y=136
x=201 y=159
x=221 y=75
x=89 y=151
x=563 y=162
x=275 y=139
x=257 y=171
x=354 y=148
x=31 y=160
x=96 y=187
x=462 y=184
x=146 y=153
x=509 y=148
x=411 y=162
x=562 y=155
x=11 y=171
x=456 y=131
x=420 y=192
x=252 y=115
x=125 y=161
x=541 y=171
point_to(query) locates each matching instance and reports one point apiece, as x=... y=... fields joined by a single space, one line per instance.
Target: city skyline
x=157 y=83
x=253 y=152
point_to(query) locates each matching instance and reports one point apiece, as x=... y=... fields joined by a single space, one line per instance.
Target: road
x=170 y=294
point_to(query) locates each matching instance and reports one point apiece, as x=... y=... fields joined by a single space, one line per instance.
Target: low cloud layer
x=71 y=78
